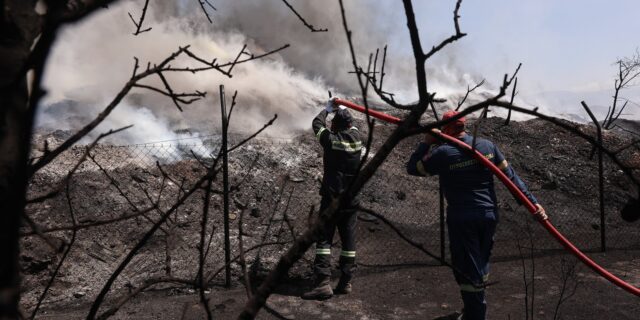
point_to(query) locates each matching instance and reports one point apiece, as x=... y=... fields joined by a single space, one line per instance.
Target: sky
x=566 y=47
x=566 y=44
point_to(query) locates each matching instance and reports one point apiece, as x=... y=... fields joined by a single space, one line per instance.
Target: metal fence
x=275 y=169
x=274 y=186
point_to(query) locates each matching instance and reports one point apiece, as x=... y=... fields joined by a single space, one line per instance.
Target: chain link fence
x=275 y=185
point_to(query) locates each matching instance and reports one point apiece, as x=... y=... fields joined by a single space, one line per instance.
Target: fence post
x=225 y=190
x=442 y=219
x=603 y=246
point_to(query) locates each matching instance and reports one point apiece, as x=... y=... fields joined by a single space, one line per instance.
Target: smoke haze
x=93 y=59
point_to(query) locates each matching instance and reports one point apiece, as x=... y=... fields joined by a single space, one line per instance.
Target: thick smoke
x=93 y=60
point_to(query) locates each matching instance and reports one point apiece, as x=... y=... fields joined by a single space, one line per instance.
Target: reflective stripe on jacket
x=341 y=155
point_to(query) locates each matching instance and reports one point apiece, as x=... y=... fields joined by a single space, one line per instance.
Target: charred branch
x=201 y=249
x=570 y=283
x=203 y=181
x=233 y=104
x=133 y=82
x=82 y=159
x=141 y=20
x=100 y=298
x=304 y=241
x=124 y=195
x=513 y=96
x=420 y=246
x=451 y=39
x=125 y=216
x=74 y=231
x=306 y=24
x=242 y=258
x=204 y=9
x=469 y=91
x=243 y=142
x=628 y=71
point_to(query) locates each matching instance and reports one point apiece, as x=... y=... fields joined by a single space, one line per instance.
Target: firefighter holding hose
x=472 y=212
x=341 y=146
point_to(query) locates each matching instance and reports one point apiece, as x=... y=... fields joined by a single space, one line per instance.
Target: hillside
x=276 y=185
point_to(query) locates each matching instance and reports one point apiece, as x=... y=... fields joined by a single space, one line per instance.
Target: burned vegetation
x=219 y=225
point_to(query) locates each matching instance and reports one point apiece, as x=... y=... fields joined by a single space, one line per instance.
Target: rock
x=400 y=195
x=444 y=306
x=79 y=294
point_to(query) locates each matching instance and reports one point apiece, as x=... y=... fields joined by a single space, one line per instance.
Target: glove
x=331 y=105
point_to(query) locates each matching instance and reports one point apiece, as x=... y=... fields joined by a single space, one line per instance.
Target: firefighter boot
x=344 y=285
x=321 y=290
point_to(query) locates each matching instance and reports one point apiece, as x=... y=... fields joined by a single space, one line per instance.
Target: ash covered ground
x=275 y=186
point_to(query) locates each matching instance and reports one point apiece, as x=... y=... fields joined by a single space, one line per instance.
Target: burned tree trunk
x=19 y=25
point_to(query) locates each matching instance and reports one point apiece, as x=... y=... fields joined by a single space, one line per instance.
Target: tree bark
x=19 y=25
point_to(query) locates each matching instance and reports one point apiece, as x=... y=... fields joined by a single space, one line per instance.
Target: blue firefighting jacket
x=467 y=185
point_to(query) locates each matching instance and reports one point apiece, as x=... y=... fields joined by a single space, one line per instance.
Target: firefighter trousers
x=470 y=242
x=346 y=225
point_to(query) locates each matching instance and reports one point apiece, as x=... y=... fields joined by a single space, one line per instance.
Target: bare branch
x=628 y=71
x=513 y=95
x=384 y=61
x=469 y=90
x=116 y=185
x=177 y=98
x=241 y=143
x=202 y=4
x=306 y=24
x=157 y=280
x=219 y=67
x=422 y=248
x=452 y=38
x=139 y=23
x=569 y=279
x=162 y=67
x=201 y=249
x=304 y=241
x=56 y=190
x=100 y=298
x=123 y=217
x=243 y=262
x=64 y=255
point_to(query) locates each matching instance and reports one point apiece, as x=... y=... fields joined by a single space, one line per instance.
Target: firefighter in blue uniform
x=341 y=147
x=472 y=211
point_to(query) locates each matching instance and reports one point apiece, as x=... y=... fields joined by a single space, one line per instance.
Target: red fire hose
x=516 y=192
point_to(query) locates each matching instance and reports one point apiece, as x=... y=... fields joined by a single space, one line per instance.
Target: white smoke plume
x=93 y=59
